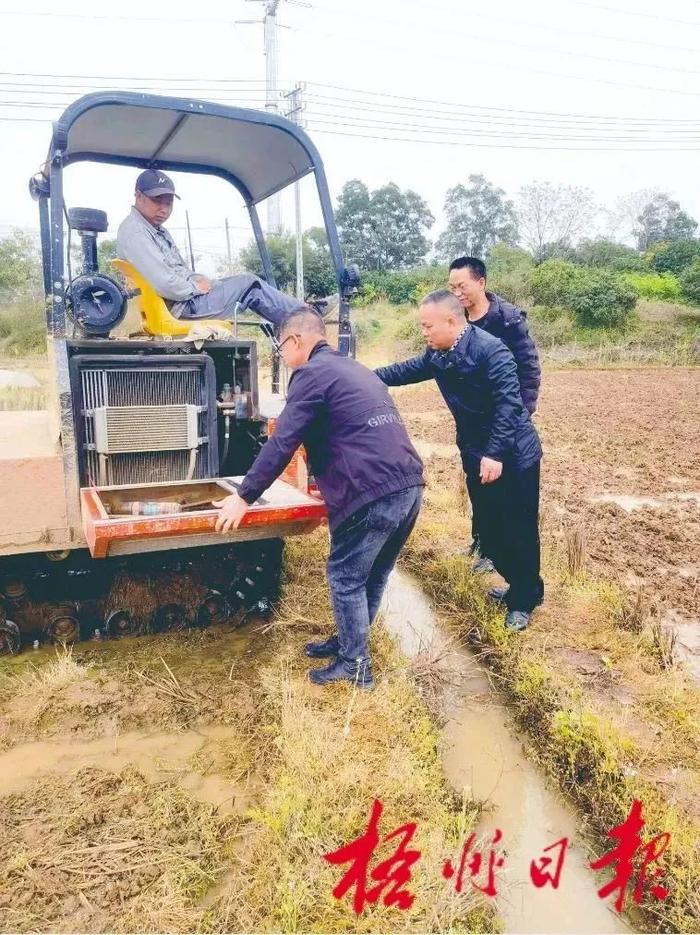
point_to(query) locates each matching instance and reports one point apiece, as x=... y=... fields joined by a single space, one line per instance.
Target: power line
x=612 y=9
x=473 y=144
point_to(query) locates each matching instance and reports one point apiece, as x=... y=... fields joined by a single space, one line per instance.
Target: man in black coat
x=509 y=323
x=367 y=470
x=500 y=449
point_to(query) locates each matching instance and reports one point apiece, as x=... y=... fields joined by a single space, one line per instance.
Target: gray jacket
x=153 y=252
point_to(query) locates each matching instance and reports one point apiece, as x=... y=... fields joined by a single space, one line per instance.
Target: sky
x=598 y=93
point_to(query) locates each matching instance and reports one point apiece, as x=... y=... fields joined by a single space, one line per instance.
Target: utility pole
x=271 y=94
x=294 y=113
x=228 y=248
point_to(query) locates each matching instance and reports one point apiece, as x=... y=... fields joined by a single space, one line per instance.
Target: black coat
x=479 y=383
x=356 y=442
x=509 y=323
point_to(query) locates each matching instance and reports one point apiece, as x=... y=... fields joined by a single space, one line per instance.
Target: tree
x=661 y=218
x=550 y=214
x=319 y=275
x=478 y=216
x=20 y=269
x=604 y=252
x=675 y=257
x=383 y=230
x=106 y=252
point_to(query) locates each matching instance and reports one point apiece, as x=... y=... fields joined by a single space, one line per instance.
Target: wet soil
x=622 y=463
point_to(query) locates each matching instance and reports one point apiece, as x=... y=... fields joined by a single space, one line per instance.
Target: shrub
x=410 y=332
x=608 y=253
x=23 y=328
x=655 y=285
x=690 y=283
x=674 y=257
x=601 y=299
x=551 y=282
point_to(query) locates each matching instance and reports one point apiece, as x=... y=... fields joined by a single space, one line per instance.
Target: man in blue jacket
x=500 y=449
x=367 y=470
x=509 y=323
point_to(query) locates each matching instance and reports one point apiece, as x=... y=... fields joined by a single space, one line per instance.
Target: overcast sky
x=529 y=82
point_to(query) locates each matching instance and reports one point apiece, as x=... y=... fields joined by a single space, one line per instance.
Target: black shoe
x=358 y=673
x=483 y=566
x=497 y=594
x=517 y=620
x=323 y=650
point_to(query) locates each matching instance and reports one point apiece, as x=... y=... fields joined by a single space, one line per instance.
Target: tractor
x=108 y=527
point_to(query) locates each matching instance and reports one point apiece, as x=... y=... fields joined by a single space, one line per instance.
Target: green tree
x=384 y=230
x=690 y=283
x=601 y=299
x=106 y=252
x=319 y=275
x=661 y=218
x=604 y=252
x=674 y=257
x=478 y=216
x=20 y=267
x=551 y=283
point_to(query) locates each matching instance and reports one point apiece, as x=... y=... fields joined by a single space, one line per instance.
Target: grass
x=123 y=854
x=22 y=328
x=597 y=758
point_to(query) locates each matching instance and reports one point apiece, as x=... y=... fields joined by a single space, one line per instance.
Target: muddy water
x=482 y=755
x=149 y=753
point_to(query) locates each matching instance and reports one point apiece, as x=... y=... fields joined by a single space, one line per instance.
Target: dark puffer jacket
x=357 y=444
x=479 y=383
x=509 y=323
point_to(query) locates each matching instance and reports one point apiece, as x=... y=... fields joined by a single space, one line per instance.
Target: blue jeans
x=252 y=292
x=364 y=550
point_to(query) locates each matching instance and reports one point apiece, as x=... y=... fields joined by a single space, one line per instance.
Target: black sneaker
x=517 y=620
x=324 y=306
x=357 y=672
x=483 y=566
x=329 y=647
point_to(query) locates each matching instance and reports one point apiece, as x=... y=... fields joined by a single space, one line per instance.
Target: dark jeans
x=507 y=512
x=253 y=293
x=364 y=550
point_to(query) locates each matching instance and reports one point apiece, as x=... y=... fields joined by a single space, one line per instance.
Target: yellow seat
x=156 y=317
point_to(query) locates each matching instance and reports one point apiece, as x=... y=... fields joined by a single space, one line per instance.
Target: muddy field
x=622 y=463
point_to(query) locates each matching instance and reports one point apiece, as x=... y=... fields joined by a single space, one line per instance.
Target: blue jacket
x=509 y=323
x=356 y=442
x=479 y=383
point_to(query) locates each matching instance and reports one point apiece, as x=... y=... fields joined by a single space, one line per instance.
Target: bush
x=409 y=332
x=601 y=299
x=657 y=286
x=551 y=282
x=675 y=257
x=402 y=287
x=23 y=329
x=608 y=253
x=690 y=283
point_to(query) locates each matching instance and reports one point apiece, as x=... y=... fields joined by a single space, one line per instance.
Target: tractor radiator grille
x=145 y=421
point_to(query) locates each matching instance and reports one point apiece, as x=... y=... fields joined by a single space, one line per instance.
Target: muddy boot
x=517 y=620
x=322 y=650
x=497 y=594
x=357 y=672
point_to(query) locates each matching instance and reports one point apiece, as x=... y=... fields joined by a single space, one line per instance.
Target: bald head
x=442 y=318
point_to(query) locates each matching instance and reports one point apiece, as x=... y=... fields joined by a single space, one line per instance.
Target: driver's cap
x=152 y=182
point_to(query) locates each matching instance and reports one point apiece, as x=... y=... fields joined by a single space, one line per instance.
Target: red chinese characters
x=629 y=843
x=540 y=873
x=474 y=865
x=391 y=875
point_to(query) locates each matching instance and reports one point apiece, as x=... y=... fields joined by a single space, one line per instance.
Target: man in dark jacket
x=367 y=470
x=505 y=321
x=500 y=448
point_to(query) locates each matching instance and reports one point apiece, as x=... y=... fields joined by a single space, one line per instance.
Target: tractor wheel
x=10 y=639
x=171 y=617
x=120 y=623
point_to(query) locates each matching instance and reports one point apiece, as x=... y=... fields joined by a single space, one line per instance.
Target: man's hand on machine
x=490 y=470
x=232 y=509
x=203 y=284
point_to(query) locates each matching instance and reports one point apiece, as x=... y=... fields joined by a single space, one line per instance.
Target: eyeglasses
x=278 y=347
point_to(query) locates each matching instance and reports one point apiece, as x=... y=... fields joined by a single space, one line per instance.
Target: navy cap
x=152 y=182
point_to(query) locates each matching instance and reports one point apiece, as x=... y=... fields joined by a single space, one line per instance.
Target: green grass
x=22 y=329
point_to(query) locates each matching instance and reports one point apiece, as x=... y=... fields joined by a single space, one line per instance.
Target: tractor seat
x=156 y=318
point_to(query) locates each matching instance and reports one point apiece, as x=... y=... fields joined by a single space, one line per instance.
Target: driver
x=145 y=243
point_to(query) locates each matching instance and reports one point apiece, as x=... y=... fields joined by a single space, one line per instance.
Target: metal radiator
x=145 y=419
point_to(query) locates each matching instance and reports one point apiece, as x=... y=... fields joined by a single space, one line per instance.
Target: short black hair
x=443 y=297
x=306 y=319
x=477 y=266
